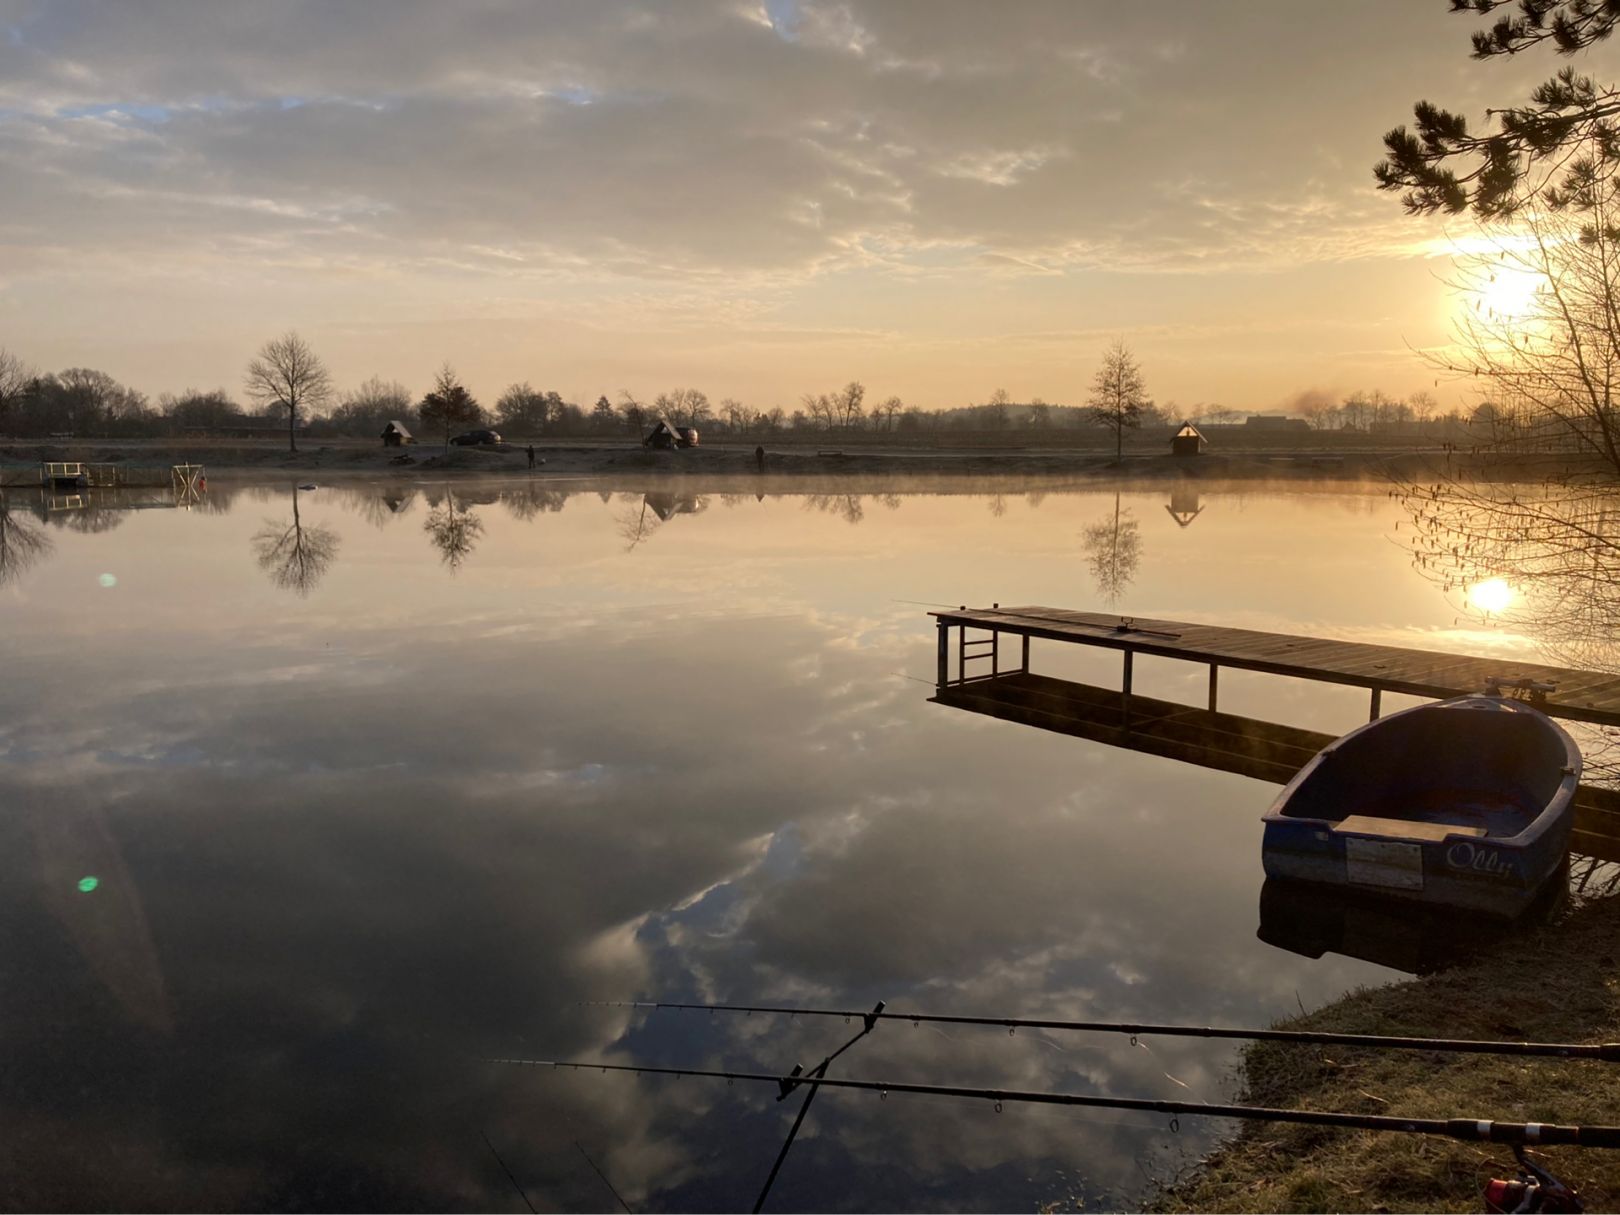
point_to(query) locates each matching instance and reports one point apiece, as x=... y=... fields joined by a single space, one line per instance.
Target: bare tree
x=1118 y=395
x=1543 y=331
x=295 y=555
x=683 y=406
x=995 y=409
x=15 y=376
x=633 y=411
x=521 y=409
x=1113 y=547
x=289 y=375
x=371 y=406
x=848 y=401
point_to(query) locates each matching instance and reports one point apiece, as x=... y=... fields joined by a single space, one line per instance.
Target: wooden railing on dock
x=1589 y=696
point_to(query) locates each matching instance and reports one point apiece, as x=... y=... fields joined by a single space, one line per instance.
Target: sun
x=1493 y=595
x=1505 y=293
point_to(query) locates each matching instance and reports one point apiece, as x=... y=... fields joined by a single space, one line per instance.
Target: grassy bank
x=1556 y=984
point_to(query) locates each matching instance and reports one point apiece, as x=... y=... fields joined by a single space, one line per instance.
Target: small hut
x=395 y=435
x=1188 y=441
x=663 y=436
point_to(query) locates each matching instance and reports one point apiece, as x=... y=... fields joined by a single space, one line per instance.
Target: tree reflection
x=525 y=504
x=90 y=520
x=295 y=555
x=848 y=507
x=454 y=530
x=22 y=544
x=1113 y=548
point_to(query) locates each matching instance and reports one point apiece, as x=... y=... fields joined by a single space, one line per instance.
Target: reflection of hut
x=395 y=435
x=664 y=436
x=1188 y=441
x=666 y=505
x=1184 y=505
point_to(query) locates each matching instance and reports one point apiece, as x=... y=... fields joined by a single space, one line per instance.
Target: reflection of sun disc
x=1492 y=595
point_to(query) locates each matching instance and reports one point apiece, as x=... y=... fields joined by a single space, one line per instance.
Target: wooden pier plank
x=1580 y=695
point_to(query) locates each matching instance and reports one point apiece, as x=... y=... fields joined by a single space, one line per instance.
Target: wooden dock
x=1588 y=696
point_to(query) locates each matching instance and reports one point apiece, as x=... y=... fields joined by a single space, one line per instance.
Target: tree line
x=286 y=385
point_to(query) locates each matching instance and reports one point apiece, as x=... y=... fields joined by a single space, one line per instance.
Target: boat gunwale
x=1545 y=818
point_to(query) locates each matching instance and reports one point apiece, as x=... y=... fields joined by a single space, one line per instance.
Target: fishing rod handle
x=1533 y=1133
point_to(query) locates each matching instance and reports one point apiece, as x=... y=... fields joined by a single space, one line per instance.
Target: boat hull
x=1466 y=804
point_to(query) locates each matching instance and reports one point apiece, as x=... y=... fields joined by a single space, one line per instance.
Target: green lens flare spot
x=108 y=580
x=87 y=884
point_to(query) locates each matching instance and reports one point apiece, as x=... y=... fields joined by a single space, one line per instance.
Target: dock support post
x=995 y=653
x=1125 y=689
x=961 y=653
x=1214 y=679
x=1025 y=667
x=944 y=654
x=1377 y=696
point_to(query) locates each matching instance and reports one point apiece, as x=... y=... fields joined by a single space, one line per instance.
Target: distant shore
x=18 y=461
x=1555 y=984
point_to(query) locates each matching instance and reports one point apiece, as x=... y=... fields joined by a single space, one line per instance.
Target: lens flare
x=1492 y=595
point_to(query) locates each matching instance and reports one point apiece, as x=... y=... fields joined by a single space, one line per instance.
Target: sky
x=760 y=200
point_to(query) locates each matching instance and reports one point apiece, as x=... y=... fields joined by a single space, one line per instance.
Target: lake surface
x=294 y=835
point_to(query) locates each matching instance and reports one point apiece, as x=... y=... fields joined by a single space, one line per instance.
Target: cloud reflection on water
x=407 y=822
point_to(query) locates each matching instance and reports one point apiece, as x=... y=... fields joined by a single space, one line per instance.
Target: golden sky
x=755 y=199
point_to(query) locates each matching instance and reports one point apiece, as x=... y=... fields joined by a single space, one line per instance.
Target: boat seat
x=1405 y=828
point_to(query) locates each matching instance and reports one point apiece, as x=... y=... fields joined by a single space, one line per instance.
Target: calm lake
x=298 y=825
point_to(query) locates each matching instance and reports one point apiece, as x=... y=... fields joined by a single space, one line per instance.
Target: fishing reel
x=1534 y=1189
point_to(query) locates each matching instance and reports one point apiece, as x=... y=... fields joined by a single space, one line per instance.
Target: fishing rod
x=1472 y=1130
x=1607 y=1052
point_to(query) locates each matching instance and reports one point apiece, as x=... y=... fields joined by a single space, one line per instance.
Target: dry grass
x=1556 y=984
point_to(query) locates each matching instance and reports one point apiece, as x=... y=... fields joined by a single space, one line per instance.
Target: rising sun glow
x=1506 y=293
x=1492 y=595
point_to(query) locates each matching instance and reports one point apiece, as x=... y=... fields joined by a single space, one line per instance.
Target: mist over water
x=377 y=781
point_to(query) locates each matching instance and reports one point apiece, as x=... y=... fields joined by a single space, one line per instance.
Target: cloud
x=718 y=139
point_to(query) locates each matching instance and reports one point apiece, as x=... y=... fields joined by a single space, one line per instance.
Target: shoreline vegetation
x=1556 y=982
x=1297 y=462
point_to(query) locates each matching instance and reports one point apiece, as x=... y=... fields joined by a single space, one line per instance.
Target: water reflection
x=1555 y=549
x=1113 y=548
x=360 y=840
x=1312 y=920
x=1541 y=560
x=295 y=554
x=454 y=529
x=1185 y=504
x=22 y=543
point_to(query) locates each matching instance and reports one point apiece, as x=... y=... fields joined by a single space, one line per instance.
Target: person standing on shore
x=530 y=450
x=759 y=457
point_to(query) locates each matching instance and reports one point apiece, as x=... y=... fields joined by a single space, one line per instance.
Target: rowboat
x=1466 y=803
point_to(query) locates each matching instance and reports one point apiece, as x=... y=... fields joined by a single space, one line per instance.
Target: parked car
x=476 y=438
